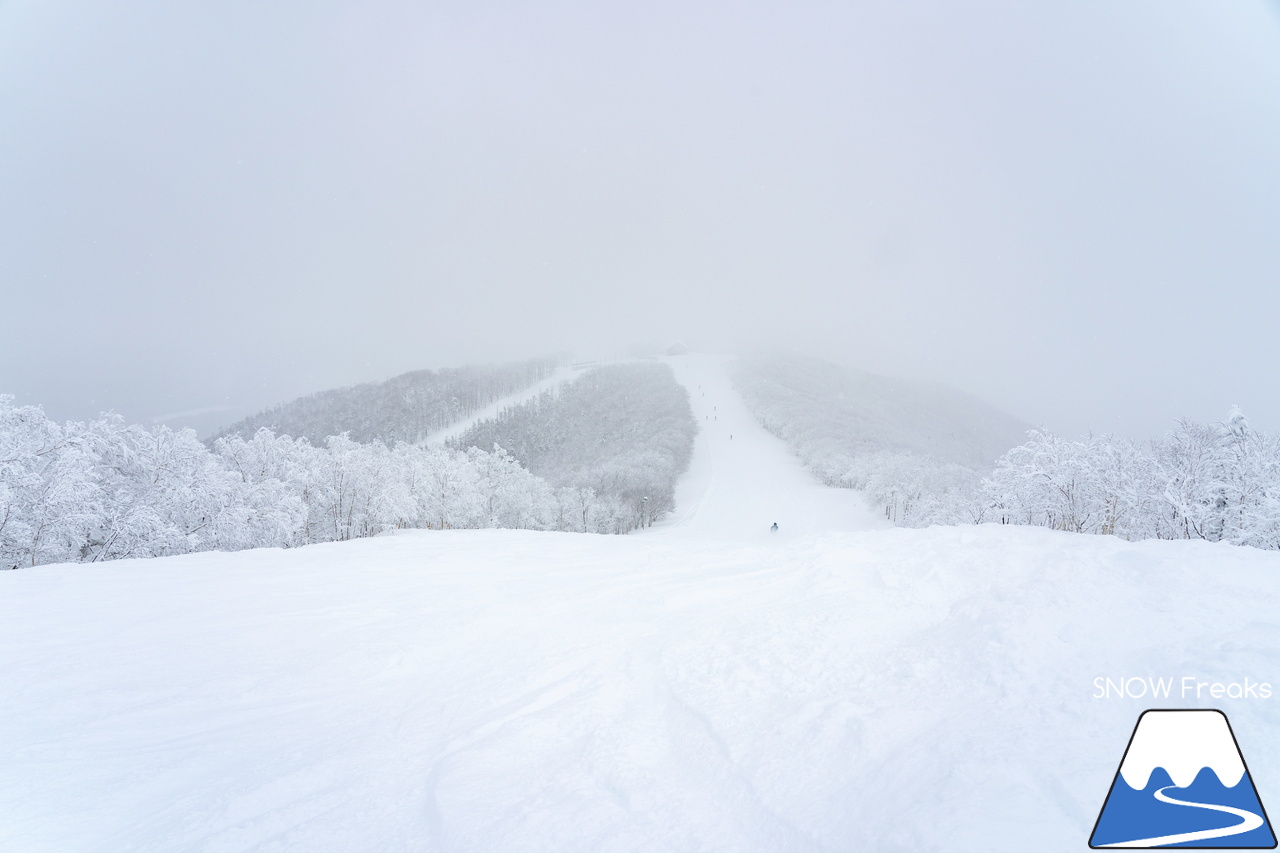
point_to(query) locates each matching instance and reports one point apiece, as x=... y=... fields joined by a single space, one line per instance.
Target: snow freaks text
x=1186 y=687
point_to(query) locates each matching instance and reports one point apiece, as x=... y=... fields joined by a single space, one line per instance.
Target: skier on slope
x=775 y=527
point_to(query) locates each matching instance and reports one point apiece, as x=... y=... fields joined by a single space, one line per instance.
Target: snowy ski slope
x=742 y=479
x=704 y=686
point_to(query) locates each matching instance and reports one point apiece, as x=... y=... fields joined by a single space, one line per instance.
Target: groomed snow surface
x=705 y=685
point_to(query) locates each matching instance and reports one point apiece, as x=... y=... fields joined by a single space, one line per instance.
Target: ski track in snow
x=703 y=686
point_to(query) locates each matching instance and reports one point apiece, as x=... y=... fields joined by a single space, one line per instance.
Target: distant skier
x=775 y=527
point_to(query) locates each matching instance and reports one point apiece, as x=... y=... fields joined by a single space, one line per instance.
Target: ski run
x=705 y=685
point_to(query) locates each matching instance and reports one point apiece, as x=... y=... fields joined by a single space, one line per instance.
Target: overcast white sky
x=1070 y=209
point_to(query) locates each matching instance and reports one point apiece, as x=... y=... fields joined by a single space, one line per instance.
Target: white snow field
x=703 y=686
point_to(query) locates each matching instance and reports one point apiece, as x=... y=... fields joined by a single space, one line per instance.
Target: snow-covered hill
x=916 y=451
x=561 y=375
x=823 y=408
x=623 y=431
x=707 y=685
x=417 y=407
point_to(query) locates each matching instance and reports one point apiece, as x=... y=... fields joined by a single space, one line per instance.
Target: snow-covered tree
x=48 y=495
x=618 y=435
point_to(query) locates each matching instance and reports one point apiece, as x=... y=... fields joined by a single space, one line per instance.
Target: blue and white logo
x=1183 y=783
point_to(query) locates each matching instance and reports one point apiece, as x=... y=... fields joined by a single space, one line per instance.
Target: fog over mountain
x=1065 y=209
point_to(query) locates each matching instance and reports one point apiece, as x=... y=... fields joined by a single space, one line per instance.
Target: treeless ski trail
x=742 y=479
